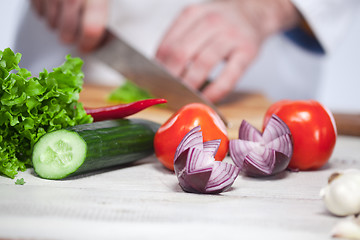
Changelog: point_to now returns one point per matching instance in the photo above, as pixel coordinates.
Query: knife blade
(148, 74)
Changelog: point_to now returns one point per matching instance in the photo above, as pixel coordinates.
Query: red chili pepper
(122, 110)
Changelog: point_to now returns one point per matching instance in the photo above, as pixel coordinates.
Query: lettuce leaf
(20, 181)
(32, 106)
(129, 92)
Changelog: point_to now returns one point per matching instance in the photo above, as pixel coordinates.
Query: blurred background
(9, 19)
(340, 80)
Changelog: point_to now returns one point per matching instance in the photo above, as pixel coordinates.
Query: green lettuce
(20, 181)
(32, 106)
(128, 92)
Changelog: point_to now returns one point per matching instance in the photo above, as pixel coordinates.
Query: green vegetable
(91, 147)
(32, 106)
(20, 181)
(128, 92)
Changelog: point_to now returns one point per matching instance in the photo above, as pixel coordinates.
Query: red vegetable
(170, 134)
(121, 110)
(313, 129)
(263, 154)
(196, 168)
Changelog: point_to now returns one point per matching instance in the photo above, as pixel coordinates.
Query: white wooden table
(144, 201)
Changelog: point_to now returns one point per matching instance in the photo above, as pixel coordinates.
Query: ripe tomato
(170, 134)
(313, 129)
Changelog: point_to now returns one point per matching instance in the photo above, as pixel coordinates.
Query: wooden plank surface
(144, 201)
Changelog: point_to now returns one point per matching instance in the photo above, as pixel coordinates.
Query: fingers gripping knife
(148, 74)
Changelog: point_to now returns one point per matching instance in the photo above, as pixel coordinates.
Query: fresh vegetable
(262, 154)
(32, 106)
(20, 181)
(121, 110)
(196, 168)
(313, 129)
(347, 228)
(342, 194)
(90, 147)
(128, 92)
(170, 134)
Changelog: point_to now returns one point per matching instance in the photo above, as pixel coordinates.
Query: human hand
(80, 22)
(227, 30)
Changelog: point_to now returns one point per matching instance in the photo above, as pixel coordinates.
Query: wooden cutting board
(235, 108)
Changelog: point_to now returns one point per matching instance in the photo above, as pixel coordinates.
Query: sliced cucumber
(92, 147)
(59, 153)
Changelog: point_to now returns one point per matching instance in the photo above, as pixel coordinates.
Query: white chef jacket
(283, 68)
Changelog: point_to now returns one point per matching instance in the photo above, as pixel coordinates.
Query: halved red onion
(196, 168)
(262, 154)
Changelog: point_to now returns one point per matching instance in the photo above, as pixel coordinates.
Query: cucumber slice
(58, 154)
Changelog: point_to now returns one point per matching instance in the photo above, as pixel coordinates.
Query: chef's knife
(148, 74)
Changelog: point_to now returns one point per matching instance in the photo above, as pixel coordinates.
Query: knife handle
(347, 124)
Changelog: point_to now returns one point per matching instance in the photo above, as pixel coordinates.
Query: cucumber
(91, 147)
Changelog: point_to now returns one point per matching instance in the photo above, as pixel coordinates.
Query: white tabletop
(144, 201)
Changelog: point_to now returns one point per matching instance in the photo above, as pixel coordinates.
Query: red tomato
(170, 134)
(313, 129)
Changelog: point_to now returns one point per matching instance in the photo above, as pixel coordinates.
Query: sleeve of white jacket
(330, 20)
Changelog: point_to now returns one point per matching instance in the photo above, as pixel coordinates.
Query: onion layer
(196, 168)
(262, 154)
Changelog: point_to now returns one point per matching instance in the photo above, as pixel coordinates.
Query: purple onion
(196, 168)
(262, 154)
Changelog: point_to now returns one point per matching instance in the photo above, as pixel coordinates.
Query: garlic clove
(342, 194)
(348, 228)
